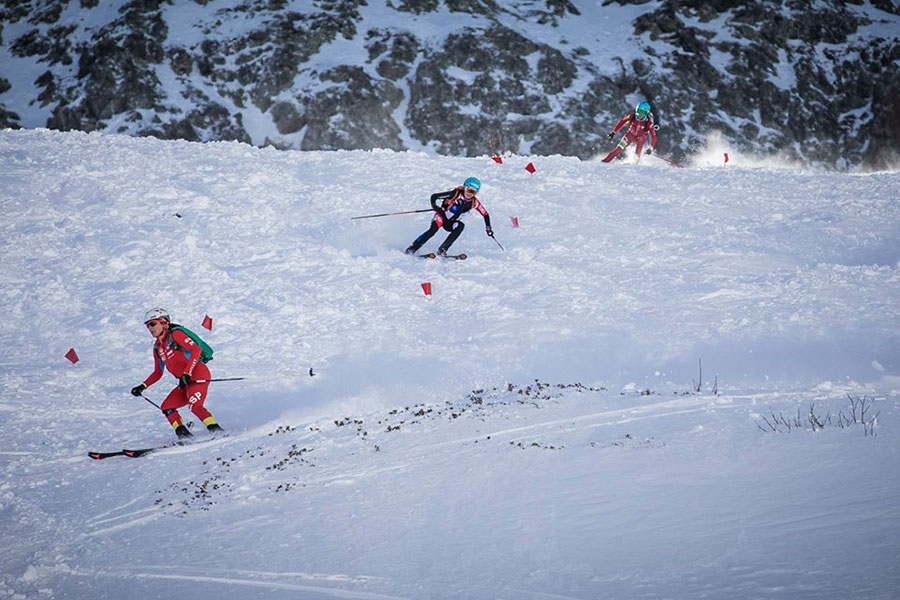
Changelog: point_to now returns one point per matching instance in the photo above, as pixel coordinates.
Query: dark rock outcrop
(818, 83)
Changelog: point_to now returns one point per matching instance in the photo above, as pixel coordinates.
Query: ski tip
(428, 255)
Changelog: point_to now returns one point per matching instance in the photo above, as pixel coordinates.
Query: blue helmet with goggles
(642, 110)
(472, 183)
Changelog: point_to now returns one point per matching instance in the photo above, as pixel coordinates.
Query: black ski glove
(184, 380)
(138, 389)
(489, 231)
(648, 151)
(610, 135)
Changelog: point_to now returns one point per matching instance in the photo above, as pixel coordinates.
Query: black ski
(102, 455)
(142, 451)
(132, 453)
(137, 452)
(448, 256)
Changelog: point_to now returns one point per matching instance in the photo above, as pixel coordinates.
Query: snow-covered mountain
(811, 81)
(669, 383)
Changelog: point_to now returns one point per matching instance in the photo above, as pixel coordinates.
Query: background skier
(640, 124)
(181, 356)
(448, 214)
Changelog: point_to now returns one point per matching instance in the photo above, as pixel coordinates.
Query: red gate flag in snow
(515, 221)
(72, 355)
(426, 287)
(207, 322)
(530, 168)
(497, 159)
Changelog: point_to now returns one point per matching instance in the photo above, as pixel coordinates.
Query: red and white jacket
(177, 353)
(637, 130)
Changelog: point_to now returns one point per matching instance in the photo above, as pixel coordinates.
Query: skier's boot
(412, 249)
(183, 432)
(214, 428)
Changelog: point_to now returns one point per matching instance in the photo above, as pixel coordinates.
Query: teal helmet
(642, 110)
(472, 182)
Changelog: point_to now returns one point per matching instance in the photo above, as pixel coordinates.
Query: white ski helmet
(156, 313)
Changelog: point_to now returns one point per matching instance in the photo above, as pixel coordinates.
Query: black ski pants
(454, 227)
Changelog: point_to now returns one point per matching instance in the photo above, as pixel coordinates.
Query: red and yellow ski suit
(178, 354)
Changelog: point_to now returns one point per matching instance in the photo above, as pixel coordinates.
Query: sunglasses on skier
(150, 324)
(470, 191)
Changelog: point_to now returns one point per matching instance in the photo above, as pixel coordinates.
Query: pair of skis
(131, 453)
(447, 256)
(138, 452)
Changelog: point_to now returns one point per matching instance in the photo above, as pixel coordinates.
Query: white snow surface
(582, 414)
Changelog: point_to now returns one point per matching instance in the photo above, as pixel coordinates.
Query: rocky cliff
(814, 81)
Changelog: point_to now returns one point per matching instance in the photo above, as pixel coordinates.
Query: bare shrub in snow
(860, 414)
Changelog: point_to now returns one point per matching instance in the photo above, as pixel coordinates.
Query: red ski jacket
(178, 354)
(637, 129)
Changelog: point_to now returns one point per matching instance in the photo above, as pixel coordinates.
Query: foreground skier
(175, 350)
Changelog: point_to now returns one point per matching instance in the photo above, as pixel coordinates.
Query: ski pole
(218, 379)
(498, 243)
(150, 401)
(196, 381)
(391, 214)
(669, 160)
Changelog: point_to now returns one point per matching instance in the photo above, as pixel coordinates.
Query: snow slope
(538, 427)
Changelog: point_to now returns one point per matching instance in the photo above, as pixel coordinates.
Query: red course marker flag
(426, 287)
(497, 160)
(726, 157)
(530, 168)
(207, 322)
(515, 221)
(72, 355)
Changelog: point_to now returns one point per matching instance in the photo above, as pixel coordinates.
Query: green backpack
(206, 351)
